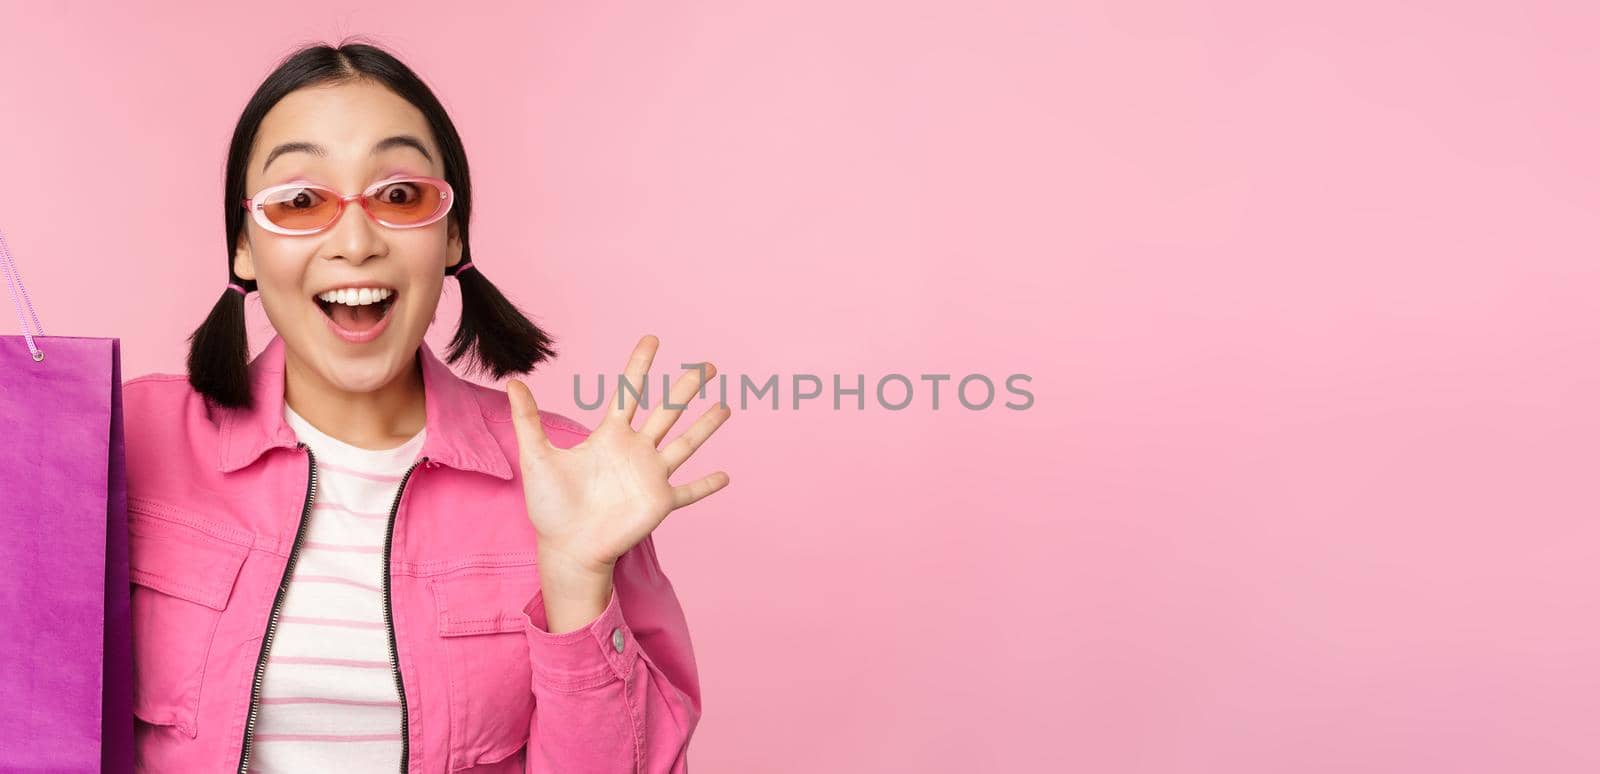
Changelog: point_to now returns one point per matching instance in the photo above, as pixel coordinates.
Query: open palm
(594, 501)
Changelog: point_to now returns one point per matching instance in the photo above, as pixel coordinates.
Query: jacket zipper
(277, 604)
(388, 622)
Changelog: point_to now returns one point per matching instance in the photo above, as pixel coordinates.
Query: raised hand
(592, 502)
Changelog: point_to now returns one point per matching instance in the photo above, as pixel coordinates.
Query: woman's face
(346, 122)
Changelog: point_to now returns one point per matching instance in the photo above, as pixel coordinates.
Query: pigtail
(219, 353)
(500, 337)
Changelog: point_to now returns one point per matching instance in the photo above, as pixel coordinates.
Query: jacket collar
(457, 436)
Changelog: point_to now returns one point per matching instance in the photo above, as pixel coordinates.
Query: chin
(362, 368)
(359, 377)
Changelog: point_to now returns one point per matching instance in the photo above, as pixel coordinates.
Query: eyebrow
(397, 141)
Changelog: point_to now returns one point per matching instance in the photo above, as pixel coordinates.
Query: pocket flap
(182, 560)
(484, 603)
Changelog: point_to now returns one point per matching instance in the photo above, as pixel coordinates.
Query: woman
(346, 558)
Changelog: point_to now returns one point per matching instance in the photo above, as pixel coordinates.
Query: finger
(525, 418)
(686, 494)
(624, 401)
(683, 390)
(684, 445)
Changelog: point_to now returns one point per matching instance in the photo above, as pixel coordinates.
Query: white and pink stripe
(329, 701)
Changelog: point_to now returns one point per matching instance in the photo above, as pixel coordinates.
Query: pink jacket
(217, 504)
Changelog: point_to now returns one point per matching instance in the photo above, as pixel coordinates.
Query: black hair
(501, 339)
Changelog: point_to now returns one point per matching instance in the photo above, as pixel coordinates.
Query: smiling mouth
(357, 317)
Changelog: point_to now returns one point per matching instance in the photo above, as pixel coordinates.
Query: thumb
(525, 418)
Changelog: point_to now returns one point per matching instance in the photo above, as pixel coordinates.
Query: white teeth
(356, 297)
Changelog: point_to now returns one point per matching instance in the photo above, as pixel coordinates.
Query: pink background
(1307, 296)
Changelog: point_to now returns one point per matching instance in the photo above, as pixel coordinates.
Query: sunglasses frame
(259, 215)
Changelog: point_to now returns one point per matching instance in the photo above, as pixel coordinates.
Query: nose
(354, 236)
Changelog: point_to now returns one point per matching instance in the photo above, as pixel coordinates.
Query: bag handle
(14, 284)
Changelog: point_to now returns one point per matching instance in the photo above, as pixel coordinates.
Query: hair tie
(463, 267)
(242, 291)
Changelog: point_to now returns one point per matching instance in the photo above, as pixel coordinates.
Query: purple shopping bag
(66, 668)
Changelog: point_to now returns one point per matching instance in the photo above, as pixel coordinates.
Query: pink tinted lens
(300, 208)
(406, 202)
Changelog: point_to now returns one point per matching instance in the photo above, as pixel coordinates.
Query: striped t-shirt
(328, 700)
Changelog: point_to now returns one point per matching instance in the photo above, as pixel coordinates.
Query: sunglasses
(297, 209)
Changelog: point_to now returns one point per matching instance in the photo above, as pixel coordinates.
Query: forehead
(346, 121)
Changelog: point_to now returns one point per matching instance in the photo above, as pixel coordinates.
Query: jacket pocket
(183, 576)
(480, 622)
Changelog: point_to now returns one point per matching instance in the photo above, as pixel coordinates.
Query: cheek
(281, 283)
(279, 264)
(422, 302)
(424, 277)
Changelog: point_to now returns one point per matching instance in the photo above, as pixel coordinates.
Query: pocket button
(616, 639)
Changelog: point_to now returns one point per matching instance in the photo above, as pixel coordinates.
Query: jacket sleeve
(620, 694)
